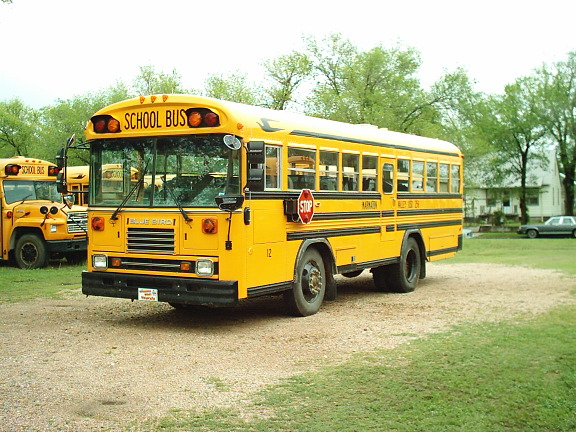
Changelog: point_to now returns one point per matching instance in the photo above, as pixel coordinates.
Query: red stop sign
(306, 206)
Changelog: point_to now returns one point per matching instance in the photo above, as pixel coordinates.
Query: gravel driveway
(84, 364)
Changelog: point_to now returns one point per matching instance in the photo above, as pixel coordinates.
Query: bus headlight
(204, 267)
(53, 228)
(100, 262)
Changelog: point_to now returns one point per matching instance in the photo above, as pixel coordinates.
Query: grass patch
(496, 377)
(548, 253)
(52, 282)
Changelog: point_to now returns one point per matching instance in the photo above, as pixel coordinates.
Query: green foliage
(18, 128)
(287, 72)
(54, 281)
(234, 87)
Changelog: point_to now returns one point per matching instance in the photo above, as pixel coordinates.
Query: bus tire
(309, 287)
(30, 252)
(403, 277)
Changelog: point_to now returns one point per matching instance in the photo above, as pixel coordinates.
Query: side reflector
(97, 223)
(210, 226)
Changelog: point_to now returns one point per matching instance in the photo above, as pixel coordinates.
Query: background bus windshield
(163, 171)
(28, 190)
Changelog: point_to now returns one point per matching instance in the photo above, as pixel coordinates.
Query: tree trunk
(568, 183)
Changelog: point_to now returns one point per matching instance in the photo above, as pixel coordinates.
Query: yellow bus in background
(213, 202)
(77, 181)
(36, 224)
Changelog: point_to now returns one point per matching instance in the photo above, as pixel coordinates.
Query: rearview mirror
(229, 202)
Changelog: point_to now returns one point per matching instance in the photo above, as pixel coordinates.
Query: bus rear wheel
(309, 288)
(403, 277)
(30, 252)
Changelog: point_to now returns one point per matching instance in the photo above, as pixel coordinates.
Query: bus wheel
(403, 276)
(307, 293)
(30, 252)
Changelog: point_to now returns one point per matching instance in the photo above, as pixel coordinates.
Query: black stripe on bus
(269, 289)
(441, 251)
(434, 224)
(346, 215)
(303, 235)
(350, 195)
(412, 195)
(367, 264)
(387, 213)
(369, 142)
(419, 212)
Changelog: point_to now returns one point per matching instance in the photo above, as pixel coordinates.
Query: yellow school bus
(77, 181)
(214, 202)
(36, 223)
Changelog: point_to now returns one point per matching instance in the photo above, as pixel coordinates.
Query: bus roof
(264, 123)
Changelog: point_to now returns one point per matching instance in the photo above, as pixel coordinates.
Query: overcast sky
(56, 49)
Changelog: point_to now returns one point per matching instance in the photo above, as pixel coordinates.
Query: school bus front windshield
(30, 190)
(189, 171)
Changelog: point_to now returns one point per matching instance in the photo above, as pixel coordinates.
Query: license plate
(148, 294)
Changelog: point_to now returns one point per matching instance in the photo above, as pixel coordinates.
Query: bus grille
(151, 240)
(77, 222)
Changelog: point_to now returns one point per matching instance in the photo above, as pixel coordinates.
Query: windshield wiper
(176, 200)
(130, 193)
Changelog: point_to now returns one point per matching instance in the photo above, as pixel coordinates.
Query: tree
(511, 124)
(557, 113)
(234, 88)
(151, 82)
(288, 72)
(18, 127)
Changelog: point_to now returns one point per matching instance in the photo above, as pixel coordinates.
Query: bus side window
(388, 178)
(417, 176)
(403, 175)
(455, 179)
(350, 167)
(273, 172)
(431, 177)
(328, 170)
(369, 173)
(301, 168)
(444, 178)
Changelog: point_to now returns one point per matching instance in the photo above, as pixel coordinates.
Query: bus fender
(325, 249)
(417, 234)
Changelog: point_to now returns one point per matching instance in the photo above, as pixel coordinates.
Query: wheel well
(417, 235)
(325, 250)
(19, 232)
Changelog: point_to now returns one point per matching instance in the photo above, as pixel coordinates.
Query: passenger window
(417, 176)
(350, 167)
(431, 177)
(328, 170)
(455, 179)
(403, 175)
(369, 173)
(273, 172)
(444, 179)
(301, 168)
(388, 178)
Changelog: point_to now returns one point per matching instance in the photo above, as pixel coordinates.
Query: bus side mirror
(61, 158)
(229, 202)
(256, 160)
(61, 185)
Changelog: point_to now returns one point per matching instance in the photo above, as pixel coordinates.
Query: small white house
(545, 194)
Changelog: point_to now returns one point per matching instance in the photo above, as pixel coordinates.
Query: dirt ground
(85, 364)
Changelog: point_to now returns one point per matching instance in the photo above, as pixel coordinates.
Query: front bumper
(171, 289)
(71, 245)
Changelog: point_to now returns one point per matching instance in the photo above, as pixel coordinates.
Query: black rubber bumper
(72, 245)
(170, 289)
